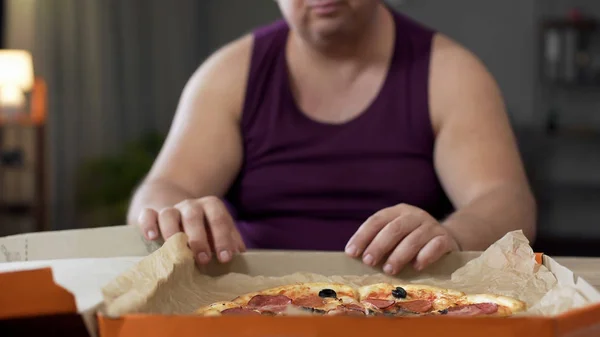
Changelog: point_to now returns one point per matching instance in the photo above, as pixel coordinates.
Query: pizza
(317, 298)
(380, 299)
(408, 299)
(423, 300)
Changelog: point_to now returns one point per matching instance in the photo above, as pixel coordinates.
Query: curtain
(115, 70)
(2, 23)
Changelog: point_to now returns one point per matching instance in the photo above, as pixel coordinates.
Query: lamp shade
(16, 69)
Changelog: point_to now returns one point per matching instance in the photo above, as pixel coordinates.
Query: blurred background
(103, 78)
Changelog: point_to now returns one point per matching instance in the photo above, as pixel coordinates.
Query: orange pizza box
(131, 288)
(50, 281)
(160, 293)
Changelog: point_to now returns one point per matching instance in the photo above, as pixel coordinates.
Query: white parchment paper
(168, 282)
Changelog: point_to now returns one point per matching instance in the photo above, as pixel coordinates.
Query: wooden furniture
(35, 118)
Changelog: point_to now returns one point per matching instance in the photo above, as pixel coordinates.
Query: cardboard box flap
(33, 293)
(83, 278)
(566, 277)
(563, 275)
(588, 290)
(282, 263)
(80, 243)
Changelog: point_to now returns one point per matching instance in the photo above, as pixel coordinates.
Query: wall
(500, 33)
(230, 19)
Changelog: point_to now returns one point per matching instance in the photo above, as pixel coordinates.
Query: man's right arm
(203, 150)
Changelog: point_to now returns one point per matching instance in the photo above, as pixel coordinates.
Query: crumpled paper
(508, 267)
(168, 281)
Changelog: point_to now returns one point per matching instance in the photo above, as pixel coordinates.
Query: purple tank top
(309, 185)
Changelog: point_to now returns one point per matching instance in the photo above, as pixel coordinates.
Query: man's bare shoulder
(230, 58)
(224, 73)
(450, 52)
(452, 61)
(458, 76)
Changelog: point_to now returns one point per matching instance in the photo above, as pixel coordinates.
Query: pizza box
(50, 281)
(50, 284)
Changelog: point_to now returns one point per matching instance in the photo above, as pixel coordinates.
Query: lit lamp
(16, 79)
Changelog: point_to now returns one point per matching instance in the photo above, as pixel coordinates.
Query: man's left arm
(478, 164)
(476, 155)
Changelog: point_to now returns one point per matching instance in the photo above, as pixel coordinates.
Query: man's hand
(403, 234)
(207, 223)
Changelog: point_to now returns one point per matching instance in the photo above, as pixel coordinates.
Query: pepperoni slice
(263, 300)
(346, 311)
(311, 301)
(355, 307)
(239, 311)
(465, 310)
(419, 306)
(270, 303)
(488, 308)
(381, 304)
(473, 309)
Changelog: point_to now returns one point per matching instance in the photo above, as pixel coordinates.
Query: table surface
(586, 267)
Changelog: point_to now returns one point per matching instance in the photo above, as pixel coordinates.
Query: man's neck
(371, 45)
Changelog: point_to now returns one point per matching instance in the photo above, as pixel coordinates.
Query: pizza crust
(215, 309)
(506, 305)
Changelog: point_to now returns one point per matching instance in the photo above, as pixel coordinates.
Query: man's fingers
(389, 237)
(408, 249)
(221, 227)
(192, 219)
(169, 221)
(368, 230)
(148, 223)
(239, 242)
(433, 251)
(207, 223)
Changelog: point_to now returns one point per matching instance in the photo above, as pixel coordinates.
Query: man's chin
(331, 32)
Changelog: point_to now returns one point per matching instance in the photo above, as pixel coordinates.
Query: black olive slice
(399, 292)
(327, 293)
